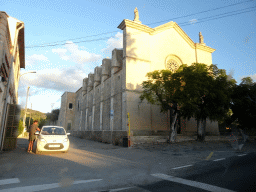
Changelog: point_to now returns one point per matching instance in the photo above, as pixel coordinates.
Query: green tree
(42, 123)
(206, 94)
(243, 104)
(20, 128)
(159, 89)
(35, 115)
(200, 91)
(53, 116)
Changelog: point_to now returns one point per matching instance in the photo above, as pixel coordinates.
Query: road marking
(9, 181)
(43, 187)
(196, 184)
(241, 155)
(207, 158)
(182, 167)
(120, 189)
(219, 159)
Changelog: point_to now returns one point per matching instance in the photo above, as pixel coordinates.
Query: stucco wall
(170, 42)
(145, 116)
(204, 57)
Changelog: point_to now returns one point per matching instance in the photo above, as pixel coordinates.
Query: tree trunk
(173, 128)
(201, 125)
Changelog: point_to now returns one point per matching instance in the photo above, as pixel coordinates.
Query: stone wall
(78, 110)
(180, 138)
(117, 137)
(63, 109)
(111, 137)
(67, 115)
(102, 95)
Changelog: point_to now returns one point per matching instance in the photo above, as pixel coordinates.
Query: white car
(51, 138)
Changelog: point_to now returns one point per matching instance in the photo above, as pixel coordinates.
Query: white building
(12, 57)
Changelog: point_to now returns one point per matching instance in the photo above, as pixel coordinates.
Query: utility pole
(52, 104)
(30, 115)
(24, 117)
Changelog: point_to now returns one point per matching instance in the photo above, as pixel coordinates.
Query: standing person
(33, 128)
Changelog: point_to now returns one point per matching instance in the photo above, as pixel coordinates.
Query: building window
(77, 105)
(70, 106)
(172, 65)
(3, 73)
(69, 127)
(173, 62)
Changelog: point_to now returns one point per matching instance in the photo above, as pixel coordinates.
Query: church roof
(152, 31)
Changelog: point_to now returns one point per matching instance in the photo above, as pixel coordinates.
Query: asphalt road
(94, 166)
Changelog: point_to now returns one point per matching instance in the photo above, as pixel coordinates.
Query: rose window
(172, 65)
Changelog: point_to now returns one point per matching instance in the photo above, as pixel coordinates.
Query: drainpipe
(196, 52)
(2, 135)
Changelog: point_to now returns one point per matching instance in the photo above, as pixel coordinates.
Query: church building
(108, 107)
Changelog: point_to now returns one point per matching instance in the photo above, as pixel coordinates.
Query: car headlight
(42, 140)
(65, 140)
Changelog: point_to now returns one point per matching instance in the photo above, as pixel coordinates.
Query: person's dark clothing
(32, 131)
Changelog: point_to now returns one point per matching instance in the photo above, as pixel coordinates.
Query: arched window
(172, 62)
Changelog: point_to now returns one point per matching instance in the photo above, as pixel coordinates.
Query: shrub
(20, 128)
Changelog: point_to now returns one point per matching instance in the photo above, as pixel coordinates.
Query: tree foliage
(32, 115)
(243, 104)
(20, 128)
(159, 90)
(201, 91)
(206, 94)
(53, 116)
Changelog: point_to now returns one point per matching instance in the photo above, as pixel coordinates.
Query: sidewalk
(189, 152)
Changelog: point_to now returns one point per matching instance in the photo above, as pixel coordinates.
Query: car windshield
(53, 131)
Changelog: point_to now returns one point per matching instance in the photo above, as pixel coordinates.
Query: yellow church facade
(110, 108)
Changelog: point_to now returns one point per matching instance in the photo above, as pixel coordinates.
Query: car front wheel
(37, 152)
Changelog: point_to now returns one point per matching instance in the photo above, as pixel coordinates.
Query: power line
(81, 37)
(200, 12)
(218, 16)
(146, 24)
(70, 43)
(181, 24)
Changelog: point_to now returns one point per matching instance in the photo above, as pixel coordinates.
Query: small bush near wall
(117, 142)
(20, 128)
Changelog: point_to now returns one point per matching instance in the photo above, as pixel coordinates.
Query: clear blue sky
(61, 68)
